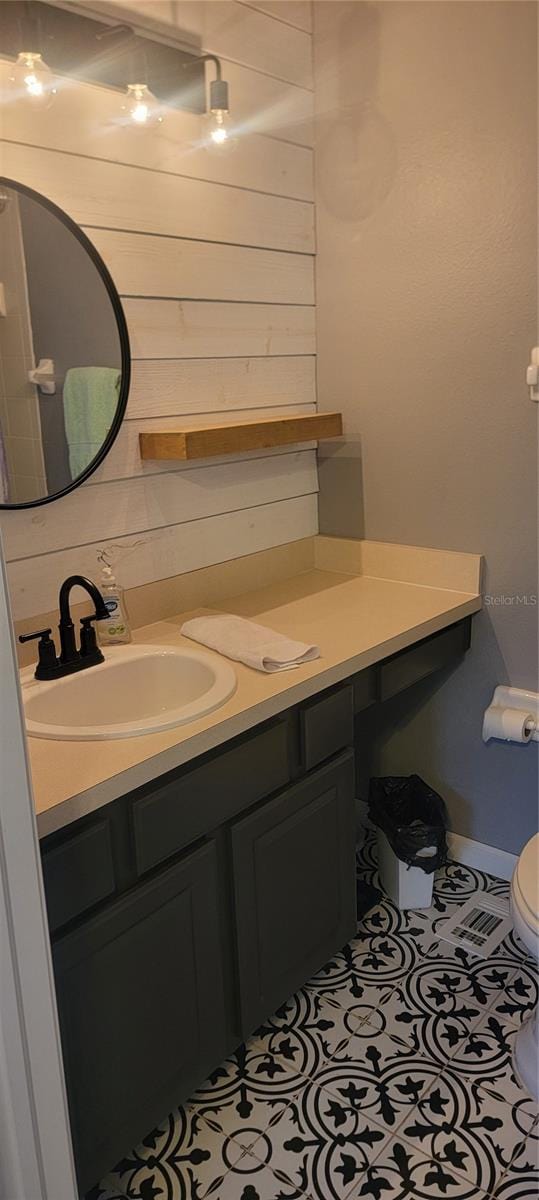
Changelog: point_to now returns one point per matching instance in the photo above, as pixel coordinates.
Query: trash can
(411, 821)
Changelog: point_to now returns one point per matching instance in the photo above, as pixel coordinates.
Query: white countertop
(356, 620)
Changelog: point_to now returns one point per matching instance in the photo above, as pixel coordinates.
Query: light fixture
(32, 79)
(219, 130)
(140, 106)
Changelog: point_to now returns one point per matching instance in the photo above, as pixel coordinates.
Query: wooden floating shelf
(206, 441)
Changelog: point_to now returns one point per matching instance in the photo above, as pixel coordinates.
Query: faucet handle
(47, 661)
(88, 640)
(39, 633)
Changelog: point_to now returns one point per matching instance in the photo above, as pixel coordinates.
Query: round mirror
(64, 351)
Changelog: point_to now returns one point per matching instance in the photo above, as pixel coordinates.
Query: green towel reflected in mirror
(90, 402)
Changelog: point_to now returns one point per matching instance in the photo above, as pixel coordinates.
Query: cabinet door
(142, 1009)
(295, 892)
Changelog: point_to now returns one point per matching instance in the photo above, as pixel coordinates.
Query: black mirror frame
(122, 333)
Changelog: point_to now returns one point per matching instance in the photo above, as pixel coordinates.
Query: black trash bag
(412, 816)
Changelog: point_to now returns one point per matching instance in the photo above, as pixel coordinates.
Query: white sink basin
(138, 689)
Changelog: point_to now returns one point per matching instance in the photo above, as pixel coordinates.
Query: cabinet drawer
(365, 686)
(186, 806)
(327, 725)
(409, 666)
(295, 890)
(78, 873)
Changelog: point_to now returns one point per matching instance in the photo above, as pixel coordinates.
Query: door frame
(36, 1159)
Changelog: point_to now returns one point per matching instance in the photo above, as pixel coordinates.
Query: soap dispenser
(115, 629)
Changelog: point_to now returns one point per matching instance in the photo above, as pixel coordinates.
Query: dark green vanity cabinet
(191, 910)
(294, 886)
(183, 914)
(142, 1010)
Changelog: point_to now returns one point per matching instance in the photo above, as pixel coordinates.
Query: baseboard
(483, 858)
(461, 849)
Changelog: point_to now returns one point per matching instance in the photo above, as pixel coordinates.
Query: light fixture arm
(124, 35)
(213, 59)
(113, 31)
(218, 87)
(28, 31)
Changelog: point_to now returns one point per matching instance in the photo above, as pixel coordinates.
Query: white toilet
(525, 914)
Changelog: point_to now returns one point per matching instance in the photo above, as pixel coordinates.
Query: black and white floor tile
(250, 1179)
(404, 1172)
(308, 1030)
(367, 857)
(477, 1133)
(321, 1144)
(519, 998)
(248, 1092)
(177, 1161)
(388, 1076)
(388, 944)
(379, 1076)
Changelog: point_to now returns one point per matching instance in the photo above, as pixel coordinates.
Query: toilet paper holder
(512, 716)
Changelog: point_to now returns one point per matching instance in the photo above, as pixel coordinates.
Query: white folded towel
(255, 645)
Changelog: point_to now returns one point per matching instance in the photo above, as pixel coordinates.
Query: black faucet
(49, 665)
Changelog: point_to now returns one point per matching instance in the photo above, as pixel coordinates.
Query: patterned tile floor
(387, 1077)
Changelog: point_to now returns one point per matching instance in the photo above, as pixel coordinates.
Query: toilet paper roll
(508, 724)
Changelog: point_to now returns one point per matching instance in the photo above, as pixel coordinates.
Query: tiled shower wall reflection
(19, 404)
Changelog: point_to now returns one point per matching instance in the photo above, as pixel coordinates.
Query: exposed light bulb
(33, 80)
(219, 134)
(141, 106)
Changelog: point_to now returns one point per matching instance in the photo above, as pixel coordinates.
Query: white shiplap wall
(213, 258)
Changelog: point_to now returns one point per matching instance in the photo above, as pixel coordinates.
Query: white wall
(213, 257)
(426, 195)
(35, 1142)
